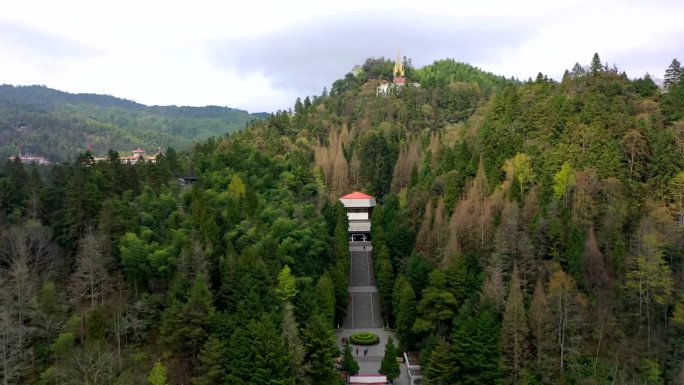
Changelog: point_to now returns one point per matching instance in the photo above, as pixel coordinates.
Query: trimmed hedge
(364, 338)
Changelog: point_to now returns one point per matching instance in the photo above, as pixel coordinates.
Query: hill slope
(530, 225)
(59, 125)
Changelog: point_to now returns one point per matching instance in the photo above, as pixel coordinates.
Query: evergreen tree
(321, 351)
(389, 365)
(13, 188)
(440, 369)
(578, 70)
(185, 326)
(271, 359)
(596, 67)
(349, 363)
(211, 368)
(672, 103)
(385, 286)
(673, 74)
(326, 297)
(404, 311)
(418, 271)
(476, 346)
(134, 260)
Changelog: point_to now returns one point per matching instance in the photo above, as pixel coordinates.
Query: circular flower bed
(364, 339)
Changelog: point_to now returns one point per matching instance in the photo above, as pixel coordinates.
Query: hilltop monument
(398, 71)
(398, 78)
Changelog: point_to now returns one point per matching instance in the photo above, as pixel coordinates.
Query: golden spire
(398, 66)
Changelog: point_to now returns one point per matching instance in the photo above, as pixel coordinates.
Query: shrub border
(364, 338)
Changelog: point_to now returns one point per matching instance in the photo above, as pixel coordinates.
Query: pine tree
(515, 332)
(440, 369)
(326, 297)
(389, 365)
(185, 327)
(385, 286)
(321, 351)
(476, 346)
(673, 74)
(404, 310)
(272, 362)
(672, 102)
(349, 363)
(577, 70)
(211, 369)
(596, 65)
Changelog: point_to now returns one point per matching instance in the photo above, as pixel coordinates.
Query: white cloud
(260, 55)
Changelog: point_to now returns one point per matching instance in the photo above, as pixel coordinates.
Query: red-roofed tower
(359, 210)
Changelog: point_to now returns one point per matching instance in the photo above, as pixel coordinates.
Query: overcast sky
(260, 55)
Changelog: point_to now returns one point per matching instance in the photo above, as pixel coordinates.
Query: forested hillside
(59, 125)
(526, 233)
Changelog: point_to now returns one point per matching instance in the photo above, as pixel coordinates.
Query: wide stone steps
(363, 311)
(361, 271)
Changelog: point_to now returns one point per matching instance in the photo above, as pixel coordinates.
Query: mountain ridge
(59, 124)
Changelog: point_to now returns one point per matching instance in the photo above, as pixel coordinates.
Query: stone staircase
(364, 306)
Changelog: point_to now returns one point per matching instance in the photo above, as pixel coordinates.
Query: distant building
(30, 159)
(359, 208)
(137, 155)
(415, 371)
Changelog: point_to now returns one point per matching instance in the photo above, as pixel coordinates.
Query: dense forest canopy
(60, 125)
(526, 233)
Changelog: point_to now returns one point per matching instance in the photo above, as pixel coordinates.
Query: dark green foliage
(645, 86)
(13, 190)
(379, 68)
(186, 326)
(404, 306)
(339, 275)
(321, 351)
(672, 103)
(440, 369)
(257, 354)
(97, 325)
(378, 157)
(349, 363)
(417, 271)
(389, 365)
(212, 363)
(476, 346)
(384, 274)
(325, 292)
(596, 65)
